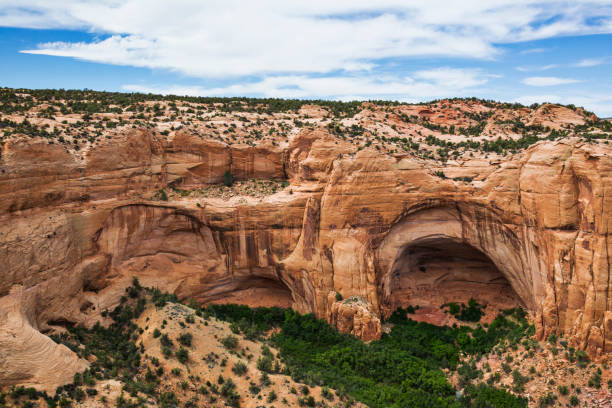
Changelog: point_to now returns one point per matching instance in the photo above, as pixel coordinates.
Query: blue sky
(520, 50)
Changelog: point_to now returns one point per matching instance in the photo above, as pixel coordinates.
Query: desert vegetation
(414, 363)
(438, 130)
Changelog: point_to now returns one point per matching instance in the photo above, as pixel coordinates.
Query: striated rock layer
(381, 231)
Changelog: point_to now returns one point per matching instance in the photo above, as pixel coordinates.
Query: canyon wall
(354, 235)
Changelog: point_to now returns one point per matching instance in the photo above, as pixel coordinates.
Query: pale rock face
(556, 117)
(384, 231)
(27, 356)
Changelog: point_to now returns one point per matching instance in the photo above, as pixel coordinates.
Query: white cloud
(548, 81)
(428, 84)
(589, 62)
(540, 68)
(224, 38)
(534, 51)
(453, 78)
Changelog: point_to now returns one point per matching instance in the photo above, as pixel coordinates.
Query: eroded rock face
(359, 223)
(354, 316)
(27, 356)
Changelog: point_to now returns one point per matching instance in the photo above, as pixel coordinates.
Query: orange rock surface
(531, 229)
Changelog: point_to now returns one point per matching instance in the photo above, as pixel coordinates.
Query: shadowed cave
(167, 249)
(430, 272)
(428, 263)
(254, 292)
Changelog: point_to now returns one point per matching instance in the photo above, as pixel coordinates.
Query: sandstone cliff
(384, 229)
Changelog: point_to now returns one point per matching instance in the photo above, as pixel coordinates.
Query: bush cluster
(403, 368)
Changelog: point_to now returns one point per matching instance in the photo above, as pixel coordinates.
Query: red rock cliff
(380, 230)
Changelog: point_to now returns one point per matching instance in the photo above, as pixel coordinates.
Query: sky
(417, 50)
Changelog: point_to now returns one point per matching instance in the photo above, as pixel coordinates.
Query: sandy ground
(551, 371)
(208, 360)
(206, 357)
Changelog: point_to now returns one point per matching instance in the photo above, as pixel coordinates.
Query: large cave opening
(433, 271)
(167, 249)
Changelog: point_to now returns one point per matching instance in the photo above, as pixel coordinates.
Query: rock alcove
(438, 255)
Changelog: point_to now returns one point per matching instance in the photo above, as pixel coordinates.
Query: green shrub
(265, 380)
(230, 342)
(484, 395)
(595, 380)
(582, 357)
(185, 339)
(272, 396)
(440, 174)
(470, 313)
(239, 368)
(182, 355)
(77, 379)
(228, 178)
(519, 381)
(264, 363)
(78, 394)
(64, 402)
(168, 400)
(228, 390)
(546, 400)
(468, 372)
(307, 401)
(327, 394)
(165, 340)
(254, 389)
(161, 195)
(160, 299)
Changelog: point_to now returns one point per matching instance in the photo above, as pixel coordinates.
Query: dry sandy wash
(387, 205)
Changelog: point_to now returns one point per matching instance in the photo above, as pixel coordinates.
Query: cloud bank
(240, 38)
(310, 48)
(548, 81)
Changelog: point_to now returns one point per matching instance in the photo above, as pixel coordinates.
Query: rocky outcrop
(74, 231)
(354, 316)
(27, 356)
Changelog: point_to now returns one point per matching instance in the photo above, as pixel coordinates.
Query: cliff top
(437, 130)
